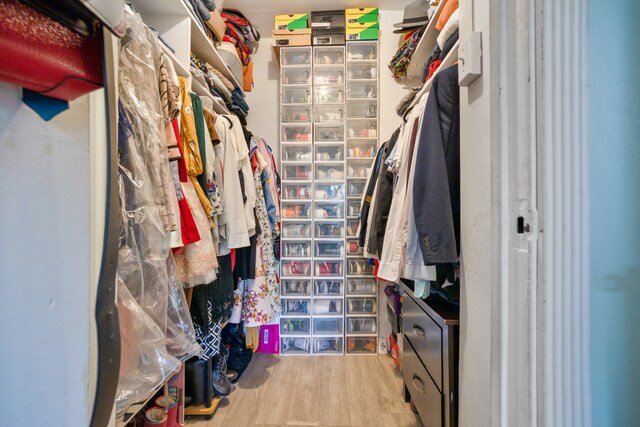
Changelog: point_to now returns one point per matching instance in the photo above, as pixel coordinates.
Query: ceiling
(261, 12)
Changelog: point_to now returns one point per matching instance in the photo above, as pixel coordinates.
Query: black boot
(221, 384)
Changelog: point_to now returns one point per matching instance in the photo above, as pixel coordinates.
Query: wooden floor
(364, 391)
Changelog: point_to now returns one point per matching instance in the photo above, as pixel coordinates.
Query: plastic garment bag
(158, 331)
(181, 337)
(144, 362)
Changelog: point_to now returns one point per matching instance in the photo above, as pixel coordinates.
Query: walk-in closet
(349, 213)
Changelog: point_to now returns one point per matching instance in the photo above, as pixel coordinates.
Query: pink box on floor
(269, 339)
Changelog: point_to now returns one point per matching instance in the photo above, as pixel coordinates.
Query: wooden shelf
(204, 49)
(425, 45)
(202, 410)
(155, 12)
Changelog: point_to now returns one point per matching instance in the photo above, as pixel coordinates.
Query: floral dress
(261, 299)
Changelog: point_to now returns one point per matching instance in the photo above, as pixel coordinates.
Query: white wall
(263, 100)
(44, 265)
(480, 221)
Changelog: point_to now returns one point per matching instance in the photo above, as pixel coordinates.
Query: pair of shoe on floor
(196, 381)
(222, 383)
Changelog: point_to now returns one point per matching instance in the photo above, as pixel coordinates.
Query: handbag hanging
(45, 56)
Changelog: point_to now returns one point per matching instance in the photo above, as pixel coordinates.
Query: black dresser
(430, 353)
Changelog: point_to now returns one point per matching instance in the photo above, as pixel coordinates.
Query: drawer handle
(419, 331)
(417, 381)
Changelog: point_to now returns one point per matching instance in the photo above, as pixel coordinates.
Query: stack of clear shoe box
(329, 124)
(296, 122)
(329, 199)
(362, 144)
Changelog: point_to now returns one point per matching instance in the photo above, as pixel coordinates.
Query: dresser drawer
(425, 394)
(426, 337)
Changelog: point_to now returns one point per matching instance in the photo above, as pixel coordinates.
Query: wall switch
(470, 58)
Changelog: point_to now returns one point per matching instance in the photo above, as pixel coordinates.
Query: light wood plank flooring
(361, 391)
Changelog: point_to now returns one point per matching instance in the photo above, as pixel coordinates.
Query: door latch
(522, 226)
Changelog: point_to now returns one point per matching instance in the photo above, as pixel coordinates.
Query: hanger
(227, 119)
(405, 116)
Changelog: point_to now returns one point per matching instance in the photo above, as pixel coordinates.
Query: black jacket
(382, 202)
(366, 204)
(436, 192)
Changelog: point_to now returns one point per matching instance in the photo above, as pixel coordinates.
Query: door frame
(563, 177)
(544, 287)
(524, 335)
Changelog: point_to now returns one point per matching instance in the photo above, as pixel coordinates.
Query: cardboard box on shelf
(296, 21)
(301, 37)
(361, 15)
(364, 31)
(216, 25)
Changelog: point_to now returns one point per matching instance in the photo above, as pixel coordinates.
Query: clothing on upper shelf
(447, 11)
(413, 219)
(433, 67)
(220, 87)
(448, 45)
(400, 61)
(449, 28)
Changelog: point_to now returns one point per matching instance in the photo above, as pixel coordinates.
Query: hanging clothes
(232, 224)
(269, 186)
(381, 203)
(367, 197)
(437, 200)
(188, 227)
(170, 100)
(197, 263)
(190, 147)
(393, 251)
(241, 145)
(261, 298)
(157, 332)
